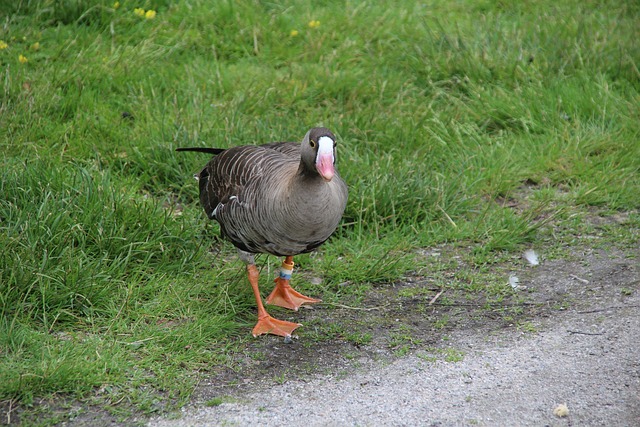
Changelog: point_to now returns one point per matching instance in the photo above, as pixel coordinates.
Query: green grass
(445, 111)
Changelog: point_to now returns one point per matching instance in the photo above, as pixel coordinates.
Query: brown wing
(227, 174)
(231, 170)
(291, 149)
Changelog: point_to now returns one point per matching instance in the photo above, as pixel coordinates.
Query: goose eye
(312, 143)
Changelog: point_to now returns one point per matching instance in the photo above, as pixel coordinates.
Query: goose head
(318, 152)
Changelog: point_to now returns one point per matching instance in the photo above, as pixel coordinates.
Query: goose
(282, 198)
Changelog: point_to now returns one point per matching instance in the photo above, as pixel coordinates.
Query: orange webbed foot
(285, 296)
(268, 325)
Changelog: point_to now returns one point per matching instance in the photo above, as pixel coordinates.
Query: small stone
(287, 339)
(561, 410)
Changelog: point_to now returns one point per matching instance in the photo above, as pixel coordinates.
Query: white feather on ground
(531, 256)
(514, 282)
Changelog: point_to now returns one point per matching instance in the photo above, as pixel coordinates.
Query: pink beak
(324, 165)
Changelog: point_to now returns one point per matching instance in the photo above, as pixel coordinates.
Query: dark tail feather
(202, 149)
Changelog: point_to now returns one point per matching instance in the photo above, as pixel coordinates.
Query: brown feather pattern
(270, 198)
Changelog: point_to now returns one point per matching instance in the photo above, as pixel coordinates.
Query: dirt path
(580, 346)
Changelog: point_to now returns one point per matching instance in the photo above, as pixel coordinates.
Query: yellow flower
(23, 59)
(3, 45)
(35, 46)
(139, 11)
(314, 24)
(150, 14)
(116, 5)
(294, 33)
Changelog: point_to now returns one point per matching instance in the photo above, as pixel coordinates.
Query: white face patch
(325, 159)
(325, 146)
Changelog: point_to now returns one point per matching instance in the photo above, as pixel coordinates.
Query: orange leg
(267, 324)
(284, 295)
